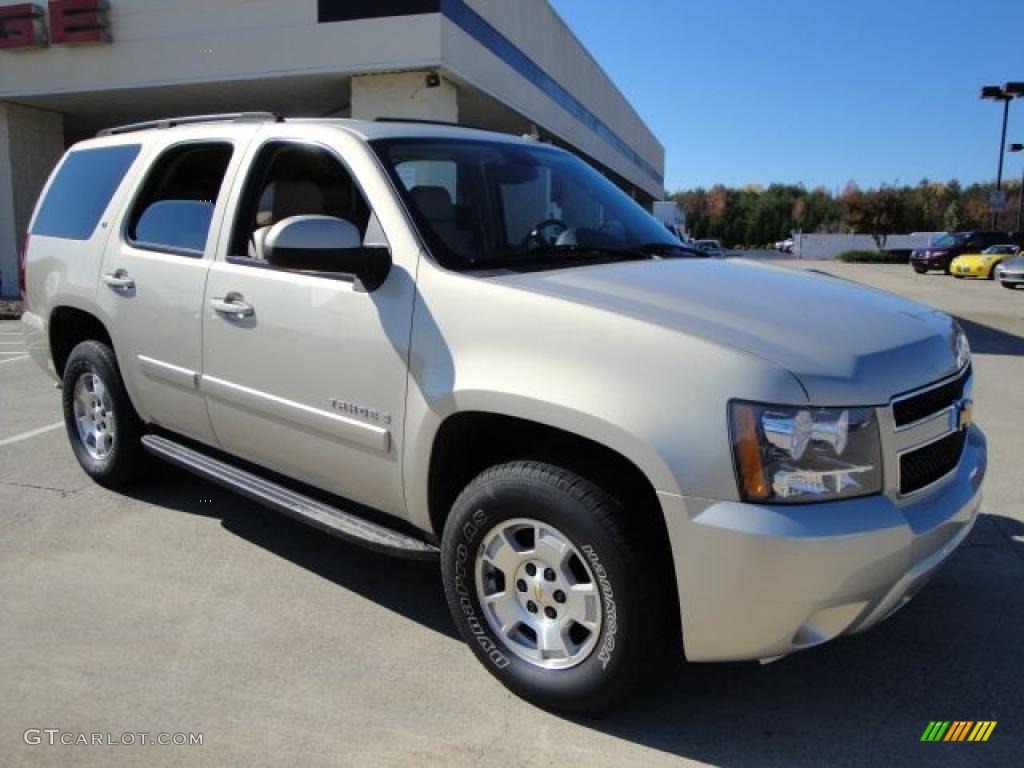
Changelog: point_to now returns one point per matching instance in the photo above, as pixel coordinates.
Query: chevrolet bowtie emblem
(964, 413)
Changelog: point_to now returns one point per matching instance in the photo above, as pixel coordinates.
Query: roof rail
(419, 121)
(170, 122)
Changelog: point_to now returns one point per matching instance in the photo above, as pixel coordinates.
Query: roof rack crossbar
(170, 122)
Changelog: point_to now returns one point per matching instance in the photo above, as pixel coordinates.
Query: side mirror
(328, 245)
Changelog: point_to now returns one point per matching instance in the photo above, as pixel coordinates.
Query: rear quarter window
(82, 190)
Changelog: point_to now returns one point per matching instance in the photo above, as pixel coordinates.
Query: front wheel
(920, 270)
(102, 425)
(547, 588)
(1011, 286)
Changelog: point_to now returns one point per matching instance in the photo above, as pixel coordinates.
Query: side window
(82, 190)
(294, 179)
(175, 208)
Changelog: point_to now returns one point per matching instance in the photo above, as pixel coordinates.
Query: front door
(154, 276)
(306, 374)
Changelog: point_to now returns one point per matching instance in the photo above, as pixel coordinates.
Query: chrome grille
(924, 403)
(930, 430)
(922, 467)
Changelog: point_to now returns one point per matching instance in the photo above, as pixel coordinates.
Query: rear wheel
(547, 588)
(102, 425)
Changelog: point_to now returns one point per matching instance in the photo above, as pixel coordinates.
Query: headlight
(961, 347)
(787, 454)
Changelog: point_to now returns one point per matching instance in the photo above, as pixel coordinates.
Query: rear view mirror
(326, 244)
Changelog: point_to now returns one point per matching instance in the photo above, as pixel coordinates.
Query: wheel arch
(68, 326)
(468, 442)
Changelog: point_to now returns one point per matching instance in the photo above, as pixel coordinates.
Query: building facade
(69, 68)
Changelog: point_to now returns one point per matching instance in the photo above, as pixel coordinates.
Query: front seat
(436, 206)
(281, 200)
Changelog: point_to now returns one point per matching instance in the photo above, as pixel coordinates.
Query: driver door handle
(233, 306)
(119, 281)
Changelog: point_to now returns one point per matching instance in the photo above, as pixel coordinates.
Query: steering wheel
(535, 235)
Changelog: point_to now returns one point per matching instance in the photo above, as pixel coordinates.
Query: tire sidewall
(88, 358)
(474, 515)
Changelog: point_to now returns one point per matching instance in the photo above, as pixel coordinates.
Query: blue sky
(813, 91)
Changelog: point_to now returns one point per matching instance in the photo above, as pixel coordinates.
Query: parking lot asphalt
(182, 608)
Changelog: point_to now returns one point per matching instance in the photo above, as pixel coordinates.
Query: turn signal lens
(747, 447)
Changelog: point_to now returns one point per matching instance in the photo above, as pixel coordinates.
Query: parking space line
(33, 433)
(13, 360)
(11, 343)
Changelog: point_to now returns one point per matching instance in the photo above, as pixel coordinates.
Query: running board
(327, 518)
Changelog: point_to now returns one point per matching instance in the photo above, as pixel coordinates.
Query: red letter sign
(78, 21)
(21, 27)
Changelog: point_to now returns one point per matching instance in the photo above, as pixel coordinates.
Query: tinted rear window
(82, 190)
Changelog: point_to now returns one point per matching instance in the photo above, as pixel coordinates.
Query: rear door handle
(232, 306)
(119, 281)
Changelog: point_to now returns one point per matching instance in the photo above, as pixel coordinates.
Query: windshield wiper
(671, 249)
(555, 255)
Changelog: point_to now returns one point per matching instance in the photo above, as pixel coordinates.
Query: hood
(846, 343)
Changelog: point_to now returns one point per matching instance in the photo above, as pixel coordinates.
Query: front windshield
(947, 241)
(492, 204)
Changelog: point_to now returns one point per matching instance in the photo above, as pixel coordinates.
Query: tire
(1011, 286)
(920, 270)
(600, 664)
(107, 444)
(959, 277)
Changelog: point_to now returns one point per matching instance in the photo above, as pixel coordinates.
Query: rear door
(154, 275)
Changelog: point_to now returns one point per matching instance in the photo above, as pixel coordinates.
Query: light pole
(1005, 94)
(1020, 191)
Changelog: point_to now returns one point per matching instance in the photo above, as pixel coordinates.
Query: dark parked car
(939, 254)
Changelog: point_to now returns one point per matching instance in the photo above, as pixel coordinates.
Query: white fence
(829, 246)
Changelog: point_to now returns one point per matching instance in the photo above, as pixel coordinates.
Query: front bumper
(1011, 278)
(969, 270)
(760, 581)
(935, 261)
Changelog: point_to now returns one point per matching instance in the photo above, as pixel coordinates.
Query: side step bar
(327, 518)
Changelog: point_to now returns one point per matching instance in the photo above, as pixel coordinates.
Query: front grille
(922, 467)
(916, 407)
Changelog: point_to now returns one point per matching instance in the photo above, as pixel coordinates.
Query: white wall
(404, 94)
(158, 42)
(830, 246)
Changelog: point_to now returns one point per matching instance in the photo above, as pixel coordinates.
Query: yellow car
(982, 264)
